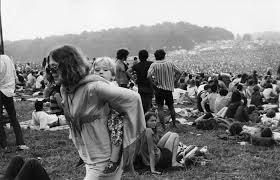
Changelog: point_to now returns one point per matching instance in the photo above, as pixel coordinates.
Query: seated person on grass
(210, 99)
(269, 94)
(182, 84)
(270, 119)
(237, 109)
(44, 120)
(158, 152)
(192, 92)
(201, 95)
(256, 97)
(18, 169)
(240, 88)
(222, 100)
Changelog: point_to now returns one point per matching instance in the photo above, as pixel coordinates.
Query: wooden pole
(1, 33)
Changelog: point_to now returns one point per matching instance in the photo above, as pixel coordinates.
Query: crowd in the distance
(232, 60)
(110, 124)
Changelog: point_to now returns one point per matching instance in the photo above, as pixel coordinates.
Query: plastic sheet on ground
(276, 136)
(28, 125)
(269, 106)
(251, 130)
(191, 154)
(183, 121)
(177, 93)
(187, 112)
(182, 112)
(34, 99)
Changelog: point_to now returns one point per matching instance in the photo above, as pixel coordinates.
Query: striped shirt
(164, 72)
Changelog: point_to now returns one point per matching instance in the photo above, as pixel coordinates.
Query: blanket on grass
(28, 125)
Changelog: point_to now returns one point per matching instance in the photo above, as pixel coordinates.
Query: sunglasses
(52, 68)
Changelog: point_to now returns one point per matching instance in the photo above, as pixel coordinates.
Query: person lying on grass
(158, 152)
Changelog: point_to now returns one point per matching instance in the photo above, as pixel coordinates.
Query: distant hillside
(268, 35)
(166, 35)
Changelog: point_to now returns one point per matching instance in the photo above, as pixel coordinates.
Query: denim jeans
(8, 103)
(146, 101)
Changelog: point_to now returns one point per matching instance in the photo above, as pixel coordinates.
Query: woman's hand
(156, 172)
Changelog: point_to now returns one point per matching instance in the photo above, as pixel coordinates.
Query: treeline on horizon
(169, 36)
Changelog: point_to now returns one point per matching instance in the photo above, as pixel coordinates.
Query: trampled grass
(229, 160)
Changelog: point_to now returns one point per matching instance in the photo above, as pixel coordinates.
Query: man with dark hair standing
(7, 88)
(145, 87)
(122, 77)
(163, 74)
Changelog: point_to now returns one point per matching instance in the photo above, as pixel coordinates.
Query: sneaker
(23, 147)
(111, 167)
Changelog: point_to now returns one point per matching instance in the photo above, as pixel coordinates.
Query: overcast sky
(25, 19)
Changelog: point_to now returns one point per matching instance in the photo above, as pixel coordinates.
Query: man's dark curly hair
(160, 54)
(122, 54)
(143, 55)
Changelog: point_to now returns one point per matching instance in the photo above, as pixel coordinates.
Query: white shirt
(274, 87)
(39, 79)
(200, 88)
(7, 76)
(192, 91)
(177, 93)
(267, 93)
(42, 119)
(30, 79)
(270, 122)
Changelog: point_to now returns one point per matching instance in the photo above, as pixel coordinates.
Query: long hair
(148, 115)
(235, 97)
(72, 64)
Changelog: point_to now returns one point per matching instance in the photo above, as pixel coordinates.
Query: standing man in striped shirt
(163, 74)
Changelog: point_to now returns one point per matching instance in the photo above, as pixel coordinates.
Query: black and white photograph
(139, 89)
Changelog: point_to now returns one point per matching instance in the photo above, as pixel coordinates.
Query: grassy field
(229, 160)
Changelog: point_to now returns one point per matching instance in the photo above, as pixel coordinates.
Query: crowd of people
(231, 60)
(112, 122)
